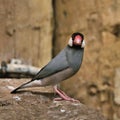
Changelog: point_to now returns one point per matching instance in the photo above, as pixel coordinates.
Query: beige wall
(26, 30)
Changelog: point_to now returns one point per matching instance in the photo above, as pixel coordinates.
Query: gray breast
(75, 57)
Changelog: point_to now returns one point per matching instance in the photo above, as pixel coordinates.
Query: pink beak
(78, 40)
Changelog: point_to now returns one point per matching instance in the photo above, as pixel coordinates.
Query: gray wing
(57, 64)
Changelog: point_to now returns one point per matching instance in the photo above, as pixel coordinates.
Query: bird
(64, 65)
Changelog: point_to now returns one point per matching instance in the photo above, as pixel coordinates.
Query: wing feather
(57, 64)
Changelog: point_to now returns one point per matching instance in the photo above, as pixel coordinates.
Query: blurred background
(36, 30)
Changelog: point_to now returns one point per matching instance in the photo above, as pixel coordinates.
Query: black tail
(15, 90)
(20, 87)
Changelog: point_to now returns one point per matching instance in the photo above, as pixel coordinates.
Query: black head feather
(77, 33)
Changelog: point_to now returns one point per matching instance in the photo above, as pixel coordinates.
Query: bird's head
(77, 39)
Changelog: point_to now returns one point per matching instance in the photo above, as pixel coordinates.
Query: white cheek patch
(70, 42)
(83, 44)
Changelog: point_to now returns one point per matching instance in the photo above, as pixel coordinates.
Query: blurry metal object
(17, 69)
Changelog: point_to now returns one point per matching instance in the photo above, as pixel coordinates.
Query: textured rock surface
(34, 105)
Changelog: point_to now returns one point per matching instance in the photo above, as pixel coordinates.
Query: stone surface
(35, 104)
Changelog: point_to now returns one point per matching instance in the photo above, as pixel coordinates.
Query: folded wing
(57, 64)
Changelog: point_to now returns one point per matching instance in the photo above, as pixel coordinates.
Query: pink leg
(63, 96)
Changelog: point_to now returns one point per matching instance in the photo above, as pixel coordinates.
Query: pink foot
(63, 96)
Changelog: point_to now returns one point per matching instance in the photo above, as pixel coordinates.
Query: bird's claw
(67, 99)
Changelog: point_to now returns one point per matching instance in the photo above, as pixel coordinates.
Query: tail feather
(15, 90)
(20, 87)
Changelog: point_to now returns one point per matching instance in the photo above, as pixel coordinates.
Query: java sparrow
(60, 68)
